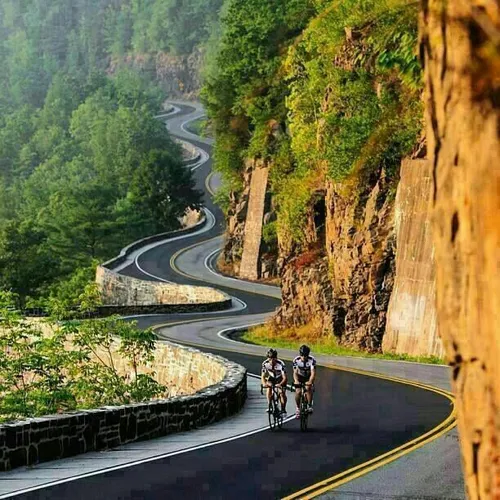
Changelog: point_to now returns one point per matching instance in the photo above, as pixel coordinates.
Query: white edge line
(241, 327)
(144, 460)
(267, 288)
(166, 455)
(205, 229)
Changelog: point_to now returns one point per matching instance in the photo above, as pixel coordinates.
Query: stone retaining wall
(190, 153)
(121, 290)
(222, 391)
(412, 316)
(122, 294)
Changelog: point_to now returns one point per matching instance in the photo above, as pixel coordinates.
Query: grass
(321, 343)
(198, 127)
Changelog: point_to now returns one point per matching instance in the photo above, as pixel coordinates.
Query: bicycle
(274, 410)
(303, 405)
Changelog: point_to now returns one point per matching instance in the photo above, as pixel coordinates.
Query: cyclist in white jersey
(273, 370)
(304, 371)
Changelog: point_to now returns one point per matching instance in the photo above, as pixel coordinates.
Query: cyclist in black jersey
(304, 371)
(273, 370)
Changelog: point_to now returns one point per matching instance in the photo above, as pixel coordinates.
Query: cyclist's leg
(309, 397)
(297, 396)
(309, 394)
(269, 393)
(283, 398)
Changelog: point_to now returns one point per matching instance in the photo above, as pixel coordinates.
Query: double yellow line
(177, 254)
(337, 480)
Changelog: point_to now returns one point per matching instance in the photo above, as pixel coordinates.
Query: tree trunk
(460, 43)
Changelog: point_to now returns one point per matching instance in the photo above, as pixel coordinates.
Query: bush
(49, 367)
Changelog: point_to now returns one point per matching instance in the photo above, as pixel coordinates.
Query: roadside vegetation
(323, 91)
(84, 167)
(293, 338)
(53, 366)
(199, 127)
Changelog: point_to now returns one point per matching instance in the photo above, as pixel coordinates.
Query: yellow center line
(176, 269)
(337, 480)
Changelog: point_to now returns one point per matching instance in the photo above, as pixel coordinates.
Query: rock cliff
(411, 318)
(246, 252)
(346, 276)
(179, 76)
(460, 45)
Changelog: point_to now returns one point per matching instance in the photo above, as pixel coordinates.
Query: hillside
(327, 111)
(84, 166)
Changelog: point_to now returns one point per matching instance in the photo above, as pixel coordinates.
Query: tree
(79, 223)
(162, 189)
(26, 263)
(460, 44)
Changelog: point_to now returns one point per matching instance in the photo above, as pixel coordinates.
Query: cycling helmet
(272, 353)
(304, 350)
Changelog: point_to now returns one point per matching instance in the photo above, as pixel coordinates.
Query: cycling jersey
(275, 372)
(303, 368)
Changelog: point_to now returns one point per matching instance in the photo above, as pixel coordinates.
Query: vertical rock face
(360, 242)
(459, 40)
(245, 253)
(347, 280)
(178, 75)
(250, 259)
(411, 318)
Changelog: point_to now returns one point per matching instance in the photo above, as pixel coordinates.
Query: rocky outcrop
(236, 215)
(307, 294)
(250, 260)
(411, 318)
(179, 76)
(459, 41)
(244, 228)
(346, 278)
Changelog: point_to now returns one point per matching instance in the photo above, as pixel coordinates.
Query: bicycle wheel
(304, 414)
(270, 415)
(277, 413)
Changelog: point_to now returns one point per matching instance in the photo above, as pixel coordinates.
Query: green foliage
(270, 235)
(324, 91)
(243, 92)
(327, 345)
(76, 162)
(161, 189)
(40, 374)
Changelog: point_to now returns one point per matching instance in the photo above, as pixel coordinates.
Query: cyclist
(273, 371)
(304, 371)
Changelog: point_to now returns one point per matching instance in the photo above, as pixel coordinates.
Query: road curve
(357, 417)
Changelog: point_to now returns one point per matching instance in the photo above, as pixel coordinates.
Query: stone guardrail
(127, 294)
(191, 154)
(125, 252)
(36, 440)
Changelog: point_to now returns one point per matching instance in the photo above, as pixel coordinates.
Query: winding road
(357, 418)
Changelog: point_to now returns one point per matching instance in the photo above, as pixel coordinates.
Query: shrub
(48, 367)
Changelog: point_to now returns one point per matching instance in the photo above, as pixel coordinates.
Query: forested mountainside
(326, 97)
(80, 152)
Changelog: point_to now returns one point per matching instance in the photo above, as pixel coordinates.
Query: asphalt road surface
(356, 417)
